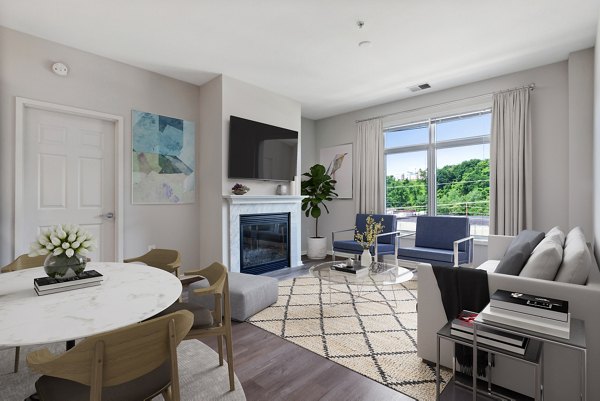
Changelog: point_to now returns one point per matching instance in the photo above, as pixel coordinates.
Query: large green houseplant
(317, 189)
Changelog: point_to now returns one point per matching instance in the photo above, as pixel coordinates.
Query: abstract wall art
(338, 162)
(163, 159)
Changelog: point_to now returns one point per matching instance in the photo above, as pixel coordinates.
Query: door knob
(108, 215)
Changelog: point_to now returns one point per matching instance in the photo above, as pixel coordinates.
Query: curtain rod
(531, 87)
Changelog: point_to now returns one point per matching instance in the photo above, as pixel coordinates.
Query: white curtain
(369, 174)
(510, 163)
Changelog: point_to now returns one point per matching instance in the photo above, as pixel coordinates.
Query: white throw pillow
(575, 267)
(556, 231)
(545, 258)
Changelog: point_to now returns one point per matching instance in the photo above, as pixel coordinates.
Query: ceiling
(308, 50)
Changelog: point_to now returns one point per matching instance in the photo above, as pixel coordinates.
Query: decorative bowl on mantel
(239, 189)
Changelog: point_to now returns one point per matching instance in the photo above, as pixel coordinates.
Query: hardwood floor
(272, 369)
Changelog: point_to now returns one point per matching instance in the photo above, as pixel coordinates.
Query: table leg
(474, 367)
(437, 370)
(584, 376)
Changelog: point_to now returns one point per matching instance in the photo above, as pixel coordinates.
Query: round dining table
(129, 293)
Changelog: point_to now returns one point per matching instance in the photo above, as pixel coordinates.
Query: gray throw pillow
(545, 258)
(577, 261)
(519, 251)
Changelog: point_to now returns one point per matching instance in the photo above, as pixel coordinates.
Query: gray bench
(249, 294)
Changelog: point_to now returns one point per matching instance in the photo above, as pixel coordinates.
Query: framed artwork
(338, 163)
(163, 161)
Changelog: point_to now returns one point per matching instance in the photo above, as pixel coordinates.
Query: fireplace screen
(264, 242)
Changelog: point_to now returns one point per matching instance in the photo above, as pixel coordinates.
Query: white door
(68, 171)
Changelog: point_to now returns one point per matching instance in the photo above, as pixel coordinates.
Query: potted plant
(318, 189)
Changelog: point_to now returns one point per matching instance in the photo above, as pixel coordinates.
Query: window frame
(433, 145)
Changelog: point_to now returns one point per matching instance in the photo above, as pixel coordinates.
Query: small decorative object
(282, 189)
(239, 189)
(66, 247)
(366, 239)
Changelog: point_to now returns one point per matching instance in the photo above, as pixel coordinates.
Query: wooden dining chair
(166, 259)
(137, 362)
(216, 322)
(22, 262)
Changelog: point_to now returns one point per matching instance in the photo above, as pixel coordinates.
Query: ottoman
(248, 294)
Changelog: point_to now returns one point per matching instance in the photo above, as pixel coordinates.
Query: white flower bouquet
(69, 239)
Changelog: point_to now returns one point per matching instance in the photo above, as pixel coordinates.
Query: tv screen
(261, 151)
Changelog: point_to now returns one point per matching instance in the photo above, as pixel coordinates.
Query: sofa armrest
(497, 246)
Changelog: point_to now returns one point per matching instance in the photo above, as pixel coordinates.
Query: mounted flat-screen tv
(261, 151)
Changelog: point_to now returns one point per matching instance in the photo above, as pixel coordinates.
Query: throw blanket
(464, 288)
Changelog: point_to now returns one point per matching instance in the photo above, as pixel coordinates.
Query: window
(440, 167)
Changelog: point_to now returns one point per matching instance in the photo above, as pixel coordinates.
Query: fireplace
(264, 242)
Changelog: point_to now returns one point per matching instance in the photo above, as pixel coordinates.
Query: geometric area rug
(371, 330)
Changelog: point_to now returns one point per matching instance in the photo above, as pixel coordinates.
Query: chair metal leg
(230, 359)
(167, 395)
(17, 355)
(220, 345)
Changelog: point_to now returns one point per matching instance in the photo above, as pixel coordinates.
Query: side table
(534, 354)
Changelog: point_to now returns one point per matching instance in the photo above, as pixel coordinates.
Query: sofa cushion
(545, 258)
(519, 251)
(351, 246)
(576, 264)
(440, 232)
(429, 255)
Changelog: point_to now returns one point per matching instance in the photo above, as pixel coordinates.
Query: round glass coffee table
(379, 274)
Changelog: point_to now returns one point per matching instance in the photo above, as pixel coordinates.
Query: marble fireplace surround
(259, 204)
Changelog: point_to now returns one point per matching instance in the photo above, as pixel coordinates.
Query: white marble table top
(129, 293)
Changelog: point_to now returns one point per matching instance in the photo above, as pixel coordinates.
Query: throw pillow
(545, 259)
(576, 264)
(519, 251)
(556, 231)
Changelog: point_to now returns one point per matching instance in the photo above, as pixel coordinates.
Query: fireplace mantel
(257, 204)
(240, 199)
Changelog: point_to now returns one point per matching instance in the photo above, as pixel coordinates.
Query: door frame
(21, 105)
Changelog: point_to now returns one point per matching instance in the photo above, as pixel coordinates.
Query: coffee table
(380, 275)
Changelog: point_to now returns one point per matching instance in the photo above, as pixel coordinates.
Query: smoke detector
(60, 69)
(420, 87)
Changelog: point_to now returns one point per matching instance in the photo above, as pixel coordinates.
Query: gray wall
(596, 148)
(99, 84)
(551, 139)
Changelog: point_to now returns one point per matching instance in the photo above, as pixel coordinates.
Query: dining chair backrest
(166, 259)
(118, 356)
(23, 262)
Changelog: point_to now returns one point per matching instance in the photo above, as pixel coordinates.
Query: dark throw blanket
(464, 288)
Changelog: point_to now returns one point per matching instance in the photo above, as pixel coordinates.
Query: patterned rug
(370, 330)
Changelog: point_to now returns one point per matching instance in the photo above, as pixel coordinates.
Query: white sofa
(561, 367)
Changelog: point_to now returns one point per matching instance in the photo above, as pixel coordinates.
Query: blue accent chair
(385, 243)
(440, 241)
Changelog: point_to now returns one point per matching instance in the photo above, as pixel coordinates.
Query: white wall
(596, 148)
(99, 84)
(550, 115)
(309, 159)
(581, 122)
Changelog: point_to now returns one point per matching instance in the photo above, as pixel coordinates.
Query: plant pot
(365, 258)
(62, 266)
(317, 247)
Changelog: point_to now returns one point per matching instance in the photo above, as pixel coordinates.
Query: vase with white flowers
(367, 238)
(66, 246)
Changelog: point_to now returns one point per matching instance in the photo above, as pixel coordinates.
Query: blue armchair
(385, 243)
(440, 241)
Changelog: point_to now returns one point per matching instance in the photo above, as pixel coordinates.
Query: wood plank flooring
(272, 369)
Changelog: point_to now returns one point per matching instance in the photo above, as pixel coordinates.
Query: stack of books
(354, 268)
(462, 327)
(48, 285)
(529, 312)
